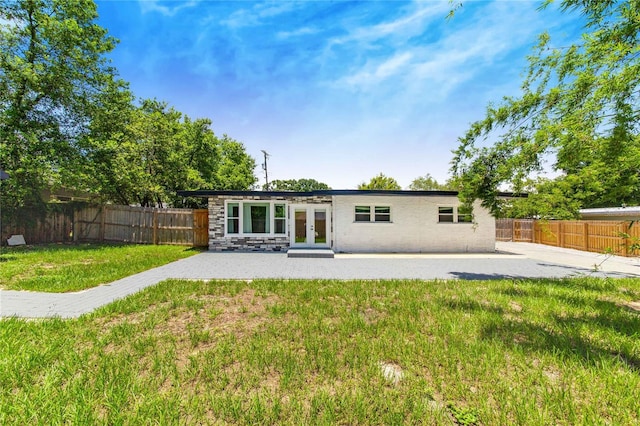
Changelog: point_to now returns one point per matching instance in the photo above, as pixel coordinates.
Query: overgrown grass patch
(63, 267)
(325, 352)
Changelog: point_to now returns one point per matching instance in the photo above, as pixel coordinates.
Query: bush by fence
(112, 223)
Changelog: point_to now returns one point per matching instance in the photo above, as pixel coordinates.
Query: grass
(533, 352)
(62, 268)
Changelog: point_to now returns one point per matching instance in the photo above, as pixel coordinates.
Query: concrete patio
(511, 261)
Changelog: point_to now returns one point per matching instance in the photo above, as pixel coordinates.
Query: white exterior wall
(414, 226)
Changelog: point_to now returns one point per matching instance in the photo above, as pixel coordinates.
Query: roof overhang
(633, 211)
(328, 192)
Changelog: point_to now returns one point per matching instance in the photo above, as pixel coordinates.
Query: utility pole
(264, 167)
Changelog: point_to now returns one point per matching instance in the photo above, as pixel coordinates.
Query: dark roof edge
(328, 192)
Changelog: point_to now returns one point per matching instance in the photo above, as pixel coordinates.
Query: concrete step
(308, 253)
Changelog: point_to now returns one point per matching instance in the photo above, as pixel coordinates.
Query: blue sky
(337, 91)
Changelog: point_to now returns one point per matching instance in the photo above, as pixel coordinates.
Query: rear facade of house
(347, 221)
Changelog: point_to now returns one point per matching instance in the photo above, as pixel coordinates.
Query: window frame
(270, 221)
(362, 214)
(228, 208)
(372, 214)
(455, 215)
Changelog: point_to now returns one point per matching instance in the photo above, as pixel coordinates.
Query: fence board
(504, 229)
(143, 225)
(598, 236)
(520, 230)
(40, 226)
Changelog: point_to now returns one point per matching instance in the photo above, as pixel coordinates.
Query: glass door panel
(300, 226)
(320, 226)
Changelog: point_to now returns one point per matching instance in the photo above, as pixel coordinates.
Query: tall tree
(297, 185)
(158, 151)
(235, 171)
(579, 106)
(428, 183)
(52, 68)
(381, 182)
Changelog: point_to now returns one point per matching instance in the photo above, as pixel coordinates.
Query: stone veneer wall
(218, 241)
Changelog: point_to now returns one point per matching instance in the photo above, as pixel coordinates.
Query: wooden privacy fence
(519, 230)
(142, 225)
(67, 223)
(40, 227)
(599, 236)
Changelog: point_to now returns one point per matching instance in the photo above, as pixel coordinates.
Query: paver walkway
(513, 260)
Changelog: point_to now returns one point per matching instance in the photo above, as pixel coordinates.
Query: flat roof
(611, 211)
(327, 192)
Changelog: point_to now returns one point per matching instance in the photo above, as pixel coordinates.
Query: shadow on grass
(567, 343)
(7, 252)
(581, 326)
(468, 305)
(541, 287)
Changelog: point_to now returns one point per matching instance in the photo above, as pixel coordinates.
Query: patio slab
(512, 261)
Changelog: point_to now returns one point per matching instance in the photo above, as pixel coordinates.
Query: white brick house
(346, 221)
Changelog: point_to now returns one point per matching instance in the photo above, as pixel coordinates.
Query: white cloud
(374, 73)
(406, 25)
(297, 33)
(257, 14)
(165, 8)
(443, 64)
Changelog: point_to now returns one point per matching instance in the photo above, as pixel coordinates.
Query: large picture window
(255, 217)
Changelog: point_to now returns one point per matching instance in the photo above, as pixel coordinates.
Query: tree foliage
(381, 182)
(52, 67)
(297, 185)
(578, 108)
(158, 152)
(428, 183)
(67, 120)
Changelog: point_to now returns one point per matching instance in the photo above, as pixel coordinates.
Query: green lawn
(61, 268)
(316, 352)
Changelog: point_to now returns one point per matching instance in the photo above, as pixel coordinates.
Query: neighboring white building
(611, 213)
(347, 221)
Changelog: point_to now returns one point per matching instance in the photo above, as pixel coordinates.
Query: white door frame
(309, 225)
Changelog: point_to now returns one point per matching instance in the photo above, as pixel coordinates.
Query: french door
(310, 225)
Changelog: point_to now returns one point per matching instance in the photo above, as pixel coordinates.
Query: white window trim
(455, 216)
(272, 218)
(372, 213)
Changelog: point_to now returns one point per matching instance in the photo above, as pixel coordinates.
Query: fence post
(74, 226)
(103, 222)
(155, 226)
(561, 234)
(585, 234)
(625, 241)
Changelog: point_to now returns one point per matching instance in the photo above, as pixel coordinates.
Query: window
(465, 215)
(255, 217)
(363, 214)
(383, 214)
(280, 219)
(380, 214)
(454, 215)
(233, 218)
(445, 214)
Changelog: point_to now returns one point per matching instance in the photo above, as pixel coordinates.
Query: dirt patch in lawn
(197, 330)
(634, 306)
